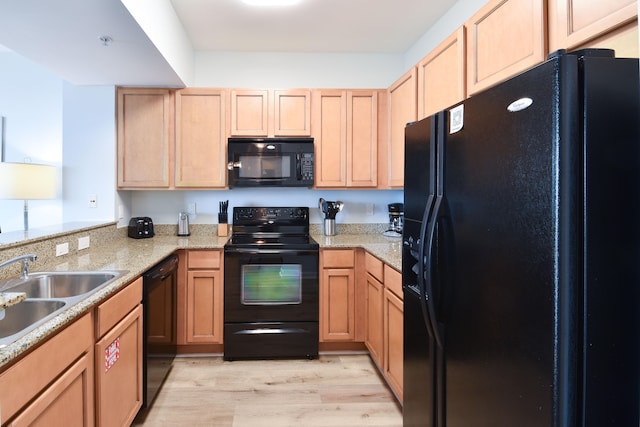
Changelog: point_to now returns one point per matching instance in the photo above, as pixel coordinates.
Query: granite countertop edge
(135, 256)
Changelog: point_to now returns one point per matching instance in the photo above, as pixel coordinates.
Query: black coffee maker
(396, 220)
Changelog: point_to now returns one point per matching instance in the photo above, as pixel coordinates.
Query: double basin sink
(47, 294)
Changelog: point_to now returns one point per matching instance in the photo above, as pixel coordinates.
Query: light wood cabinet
(262, 112)
(337, 295)
(402, 110)
(144, 138)
(572, 23)
(623, 40)
(118, 357)
(345, 127)
(52, 391)
(374, 309)
(393, 329)
(504, 38)
(201, 138)
(204, 298)
(442, 76)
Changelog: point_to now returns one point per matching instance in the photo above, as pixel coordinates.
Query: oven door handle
(252, 251)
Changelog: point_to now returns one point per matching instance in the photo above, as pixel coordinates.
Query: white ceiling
(63, 35)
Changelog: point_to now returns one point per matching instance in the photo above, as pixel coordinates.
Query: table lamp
(27, 181)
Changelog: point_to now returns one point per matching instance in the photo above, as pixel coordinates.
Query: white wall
(296, 70)
(31, 102)
(164, 206)
(89, 152)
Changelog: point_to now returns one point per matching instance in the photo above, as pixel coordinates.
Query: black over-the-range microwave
(270, 162)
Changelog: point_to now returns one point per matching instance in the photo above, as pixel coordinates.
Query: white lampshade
(27, 181)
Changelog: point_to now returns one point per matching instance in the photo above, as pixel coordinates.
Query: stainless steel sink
(66, 284)
(25, 316)
(47, 294)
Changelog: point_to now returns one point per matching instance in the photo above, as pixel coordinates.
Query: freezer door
(419, 160)
(502, 190)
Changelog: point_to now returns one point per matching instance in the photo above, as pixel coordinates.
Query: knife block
(223, 230)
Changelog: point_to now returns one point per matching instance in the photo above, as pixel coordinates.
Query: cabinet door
(118, 372)
(330, 133)
(504, 38)
(393, 341)
(201, 130)
(66, 402)
(374, 315)
(403, 109)
(204, 307)
(574, 22)
(362, 139)
(292, 112)
(337, 305)
(441, 76)
(249, 112)
(144, 133)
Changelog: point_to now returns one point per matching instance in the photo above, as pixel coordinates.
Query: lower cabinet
(41, 390)
(393, 340)
(337, 295)
(385, 317)
(204, 298)
(118, 357)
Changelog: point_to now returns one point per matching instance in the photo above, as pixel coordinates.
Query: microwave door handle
(298, 167)
(234, 165)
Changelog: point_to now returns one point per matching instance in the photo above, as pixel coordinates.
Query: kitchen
(141, 202)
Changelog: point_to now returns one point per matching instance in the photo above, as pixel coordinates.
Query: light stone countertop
(7, 299)
(137, 255)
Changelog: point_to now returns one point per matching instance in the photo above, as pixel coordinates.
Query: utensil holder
(329, 227)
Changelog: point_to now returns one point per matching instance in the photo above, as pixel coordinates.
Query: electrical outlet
(191, 209)
(370, 209)
(93, 201)
(62, 249)
(83, 242)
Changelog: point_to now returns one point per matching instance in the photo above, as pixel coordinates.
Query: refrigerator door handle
(424, 261)
(427, 281)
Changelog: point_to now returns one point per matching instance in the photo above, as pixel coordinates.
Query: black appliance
(140, 227)
(159, 325)
(271, 288)
(521, 244)
(272, 162)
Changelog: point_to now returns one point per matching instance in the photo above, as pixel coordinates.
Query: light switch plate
(83, 242)
(62, 249)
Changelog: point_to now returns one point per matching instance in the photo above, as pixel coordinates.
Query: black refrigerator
(521, 252)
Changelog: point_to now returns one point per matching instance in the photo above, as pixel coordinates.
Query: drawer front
(115, 308)
(340, 258)
(374, 266)
(203, 259)
(393, 281)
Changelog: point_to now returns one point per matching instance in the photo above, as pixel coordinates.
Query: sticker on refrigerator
(456, 119)
(111, 354)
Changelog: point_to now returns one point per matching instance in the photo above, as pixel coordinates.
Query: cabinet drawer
(203, 259)
(24, 380)
(338, 258)
(374, 266)
(115, 308)
(393, 280)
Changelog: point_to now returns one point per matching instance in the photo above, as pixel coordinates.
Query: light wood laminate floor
(334, 390)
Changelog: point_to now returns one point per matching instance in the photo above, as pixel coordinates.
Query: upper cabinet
(441, 76)
(572, 23)
(201, 129)
(504, 38)
(345, 127)
(402, 110)
(144, 137)
(263, 113)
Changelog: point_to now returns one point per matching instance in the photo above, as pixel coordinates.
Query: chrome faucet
(25, 263)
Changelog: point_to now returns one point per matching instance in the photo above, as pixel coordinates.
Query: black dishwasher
(159, 311)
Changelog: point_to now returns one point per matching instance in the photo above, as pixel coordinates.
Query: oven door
(270, 285)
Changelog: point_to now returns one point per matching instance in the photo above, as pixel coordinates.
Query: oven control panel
(270, 214)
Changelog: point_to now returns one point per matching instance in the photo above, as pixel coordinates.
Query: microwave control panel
(306, 167)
